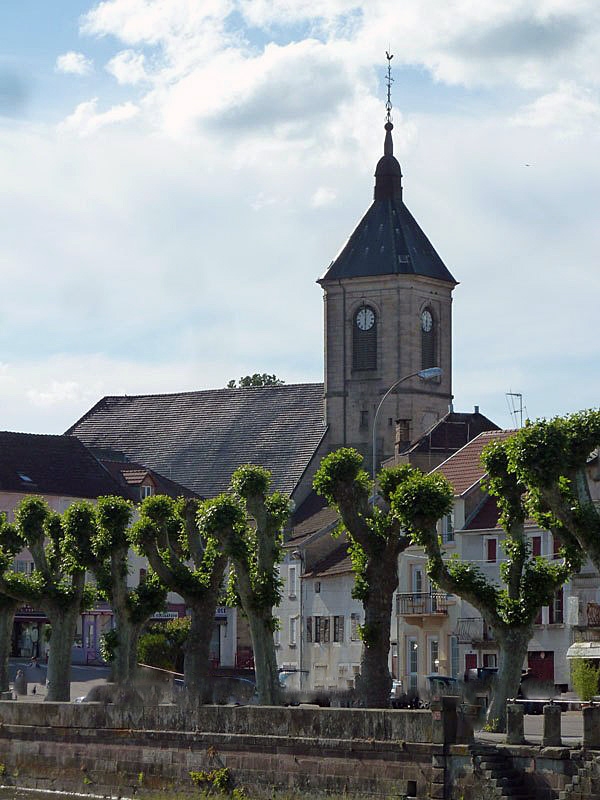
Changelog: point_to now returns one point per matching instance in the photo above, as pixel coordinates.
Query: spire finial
(390, 80)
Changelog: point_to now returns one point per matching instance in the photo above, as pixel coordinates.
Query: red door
(541, 664)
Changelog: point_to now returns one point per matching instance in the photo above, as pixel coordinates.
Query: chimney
(476, 409)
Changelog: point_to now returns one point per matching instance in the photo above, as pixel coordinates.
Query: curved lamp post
(425, 375)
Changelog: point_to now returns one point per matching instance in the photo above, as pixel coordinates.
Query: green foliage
(250, 481)
(148, 597)
(79, 529)
(585, 675)
(109, 641)
(30, 516)
(420, 500)
(113, 518)
(341, 472)
(162, 646)
(256, 380)
(219, 780)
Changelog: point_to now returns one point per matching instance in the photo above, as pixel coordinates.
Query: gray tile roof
(387, 241)
(58, 465)
(199, 438)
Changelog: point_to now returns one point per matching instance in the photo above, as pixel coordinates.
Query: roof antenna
(390, 80)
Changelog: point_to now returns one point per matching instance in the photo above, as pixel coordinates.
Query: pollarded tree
(249, 526)
(188, 562)
(132, 607)
(511, 607)
(551, 458)
(376, 540)
(61, 551)
(10, 544)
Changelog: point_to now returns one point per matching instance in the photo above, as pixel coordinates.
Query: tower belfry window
(428, 339)
(364, 339)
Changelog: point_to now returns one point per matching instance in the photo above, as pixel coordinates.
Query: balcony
(422, 604)
(473, 631)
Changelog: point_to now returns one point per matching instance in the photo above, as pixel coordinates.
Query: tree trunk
(375, 682)
(265, 659)
(8, 608)
(64, 625)
(196, 652)
(124, 666)
(512, 645)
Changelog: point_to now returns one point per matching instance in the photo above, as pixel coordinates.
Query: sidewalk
(571, 729)
(83, 677)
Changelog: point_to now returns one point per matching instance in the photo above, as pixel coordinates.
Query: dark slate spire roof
(388, 239)
(199, 438)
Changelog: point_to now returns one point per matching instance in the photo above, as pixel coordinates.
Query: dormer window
(364, 339)
(145, 491)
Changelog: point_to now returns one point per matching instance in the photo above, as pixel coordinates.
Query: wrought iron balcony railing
(473, 629)
(421, 604)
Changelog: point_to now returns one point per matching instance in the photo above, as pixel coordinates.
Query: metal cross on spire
(390, 80)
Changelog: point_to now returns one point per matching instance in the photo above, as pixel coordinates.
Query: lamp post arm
(381, 402)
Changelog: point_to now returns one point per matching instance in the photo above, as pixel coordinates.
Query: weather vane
(390, 80)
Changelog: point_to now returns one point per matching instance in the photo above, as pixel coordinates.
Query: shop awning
(584, 650)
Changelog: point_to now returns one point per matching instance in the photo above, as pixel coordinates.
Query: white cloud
(324, 196)
(73, 63)
(86, 119)
(568, 109)
(128, 67)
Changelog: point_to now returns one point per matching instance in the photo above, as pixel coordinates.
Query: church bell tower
(388, 315)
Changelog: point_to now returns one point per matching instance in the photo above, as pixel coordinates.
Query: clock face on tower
(426, 321)
(365, 318)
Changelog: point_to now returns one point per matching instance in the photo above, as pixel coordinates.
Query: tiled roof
(132, 474)
(58, 465)
(464, 468)
(199, 438)
(336, 563)
(322, 519)
(452, 432)
(387, 241)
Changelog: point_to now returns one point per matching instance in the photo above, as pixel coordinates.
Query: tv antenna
(514, 400)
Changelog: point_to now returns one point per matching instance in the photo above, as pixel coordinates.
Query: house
(63, 471)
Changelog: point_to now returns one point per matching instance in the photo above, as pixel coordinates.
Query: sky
(176, 175)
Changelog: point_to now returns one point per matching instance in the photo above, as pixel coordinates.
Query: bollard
(591, 727)
(515, 732)
(20, 683)
(551, 736)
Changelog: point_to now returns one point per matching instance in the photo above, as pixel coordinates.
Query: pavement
(571, 723)
(83, 677)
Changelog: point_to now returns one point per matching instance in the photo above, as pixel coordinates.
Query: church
(388, 316)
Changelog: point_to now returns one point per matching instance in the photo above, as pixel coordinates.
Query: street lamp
(425, 375)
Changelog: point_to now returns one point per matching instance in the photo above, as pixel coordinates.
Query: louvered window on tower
(428, 337)
(364, 339)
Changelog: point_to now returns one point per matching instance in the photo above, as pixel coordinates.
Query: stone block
(551, 736)
(514, 724)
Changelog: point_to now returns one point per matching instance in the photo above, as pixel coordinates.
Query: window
(428, 337)
(293, 623)
(277, 633)
(536, 546)
(417, 580)
(448, 527)
(317, 587)
(556, 545)
(556, 615)
(454, 656)
(354, 628)
(292, 581)
(434, 660)
(338, 629)
(323, 629)
(364, 339)
(491, 549)
(490, 660)
(145, 491)
(143, 574)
